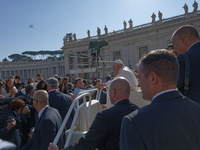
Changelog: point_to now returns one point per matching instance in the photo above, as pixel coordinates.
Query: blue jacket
(104, 132)
(170, 122)
(62, 103)
(193, 91)
(46, 130)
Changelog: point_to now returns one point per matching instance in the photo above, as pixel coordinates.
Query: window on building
(142, 51)
(116, 55)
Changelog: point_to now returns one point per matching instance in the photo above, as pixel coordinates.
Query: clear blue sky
(51, 20)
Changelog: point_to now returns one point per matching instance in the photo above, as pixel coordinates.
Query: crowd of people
(19, 117)
(170, 121)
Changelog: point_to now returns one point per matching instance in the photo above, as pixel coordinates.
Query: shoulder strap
(187, 71)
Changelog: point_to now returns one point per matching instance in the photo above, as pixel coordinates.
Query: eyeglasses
(35, 99)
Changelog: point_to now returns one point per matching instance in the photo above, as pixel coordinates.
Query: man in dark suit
(104, 132)
(48, 124)
(103, 97)
(171, 121)
(18, 82)
(58, 100)
(186, 41)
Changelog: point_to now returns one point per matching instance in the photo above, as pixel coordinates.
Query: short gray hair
(52, 82)
(29, 88)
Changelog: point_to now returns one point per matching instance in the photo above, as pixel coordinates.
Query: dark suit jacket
(5, 134)
(62, 103)
(17, 85)
(46, 130)
(103, 97)
(104, 132)
(194, 76)
(170, 122)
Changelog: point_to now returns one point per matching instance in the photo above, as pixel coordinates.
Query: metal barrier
(76, 103)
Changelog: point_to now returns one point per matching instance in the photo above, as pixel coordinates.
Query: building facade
(27, 69)
(128, 44)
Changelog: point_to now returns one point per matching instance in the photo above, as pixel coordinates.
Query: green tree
(31, 54)
(16, 57)
(44, 54)
(5, 60)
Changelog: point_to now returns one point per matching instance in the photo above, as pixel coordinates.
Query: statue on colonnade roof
(153, 17)
(130, 23)
(124, 24)
(195, 5)
(160, 15)
(186, 8)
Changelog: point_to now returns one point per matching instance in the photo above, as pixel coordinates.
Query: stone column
(50, 71)
(23, 74)
(34, 73)
(66, 61)
(15, 72)
(75, 62)
(31, 73)
(132, 56)
(57, 70)
(6, 74)
(1, 74)
(47, 72)
(125, 54)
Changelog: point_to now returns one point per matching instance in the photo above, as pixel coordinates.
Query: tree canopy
(32, 55)
(43, 53)
(5, 60)
(16, 57)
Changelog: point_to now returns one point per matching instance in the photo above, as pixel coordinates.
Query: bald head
(183, 38)
(42, 97)
(187, 31)
(119, 89)
(121, 84)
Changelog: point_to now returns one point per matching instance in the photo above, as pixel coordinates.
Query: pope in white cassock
(123, 71)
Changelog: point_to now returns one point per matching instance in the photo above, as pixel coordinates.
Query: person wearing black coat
(13, 112)
(104, 132)
(59, 100)
(171, 121)
(186, 44)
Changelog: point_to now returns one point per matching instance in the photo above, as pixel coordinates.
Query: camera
(24, 106)
(28, 99)
(10, 118)
(4, 101)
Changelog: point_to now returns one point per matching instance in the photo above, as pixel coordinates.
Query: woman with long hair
(30, 80)
(9, 90)
(61, 84)
(42, 85)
